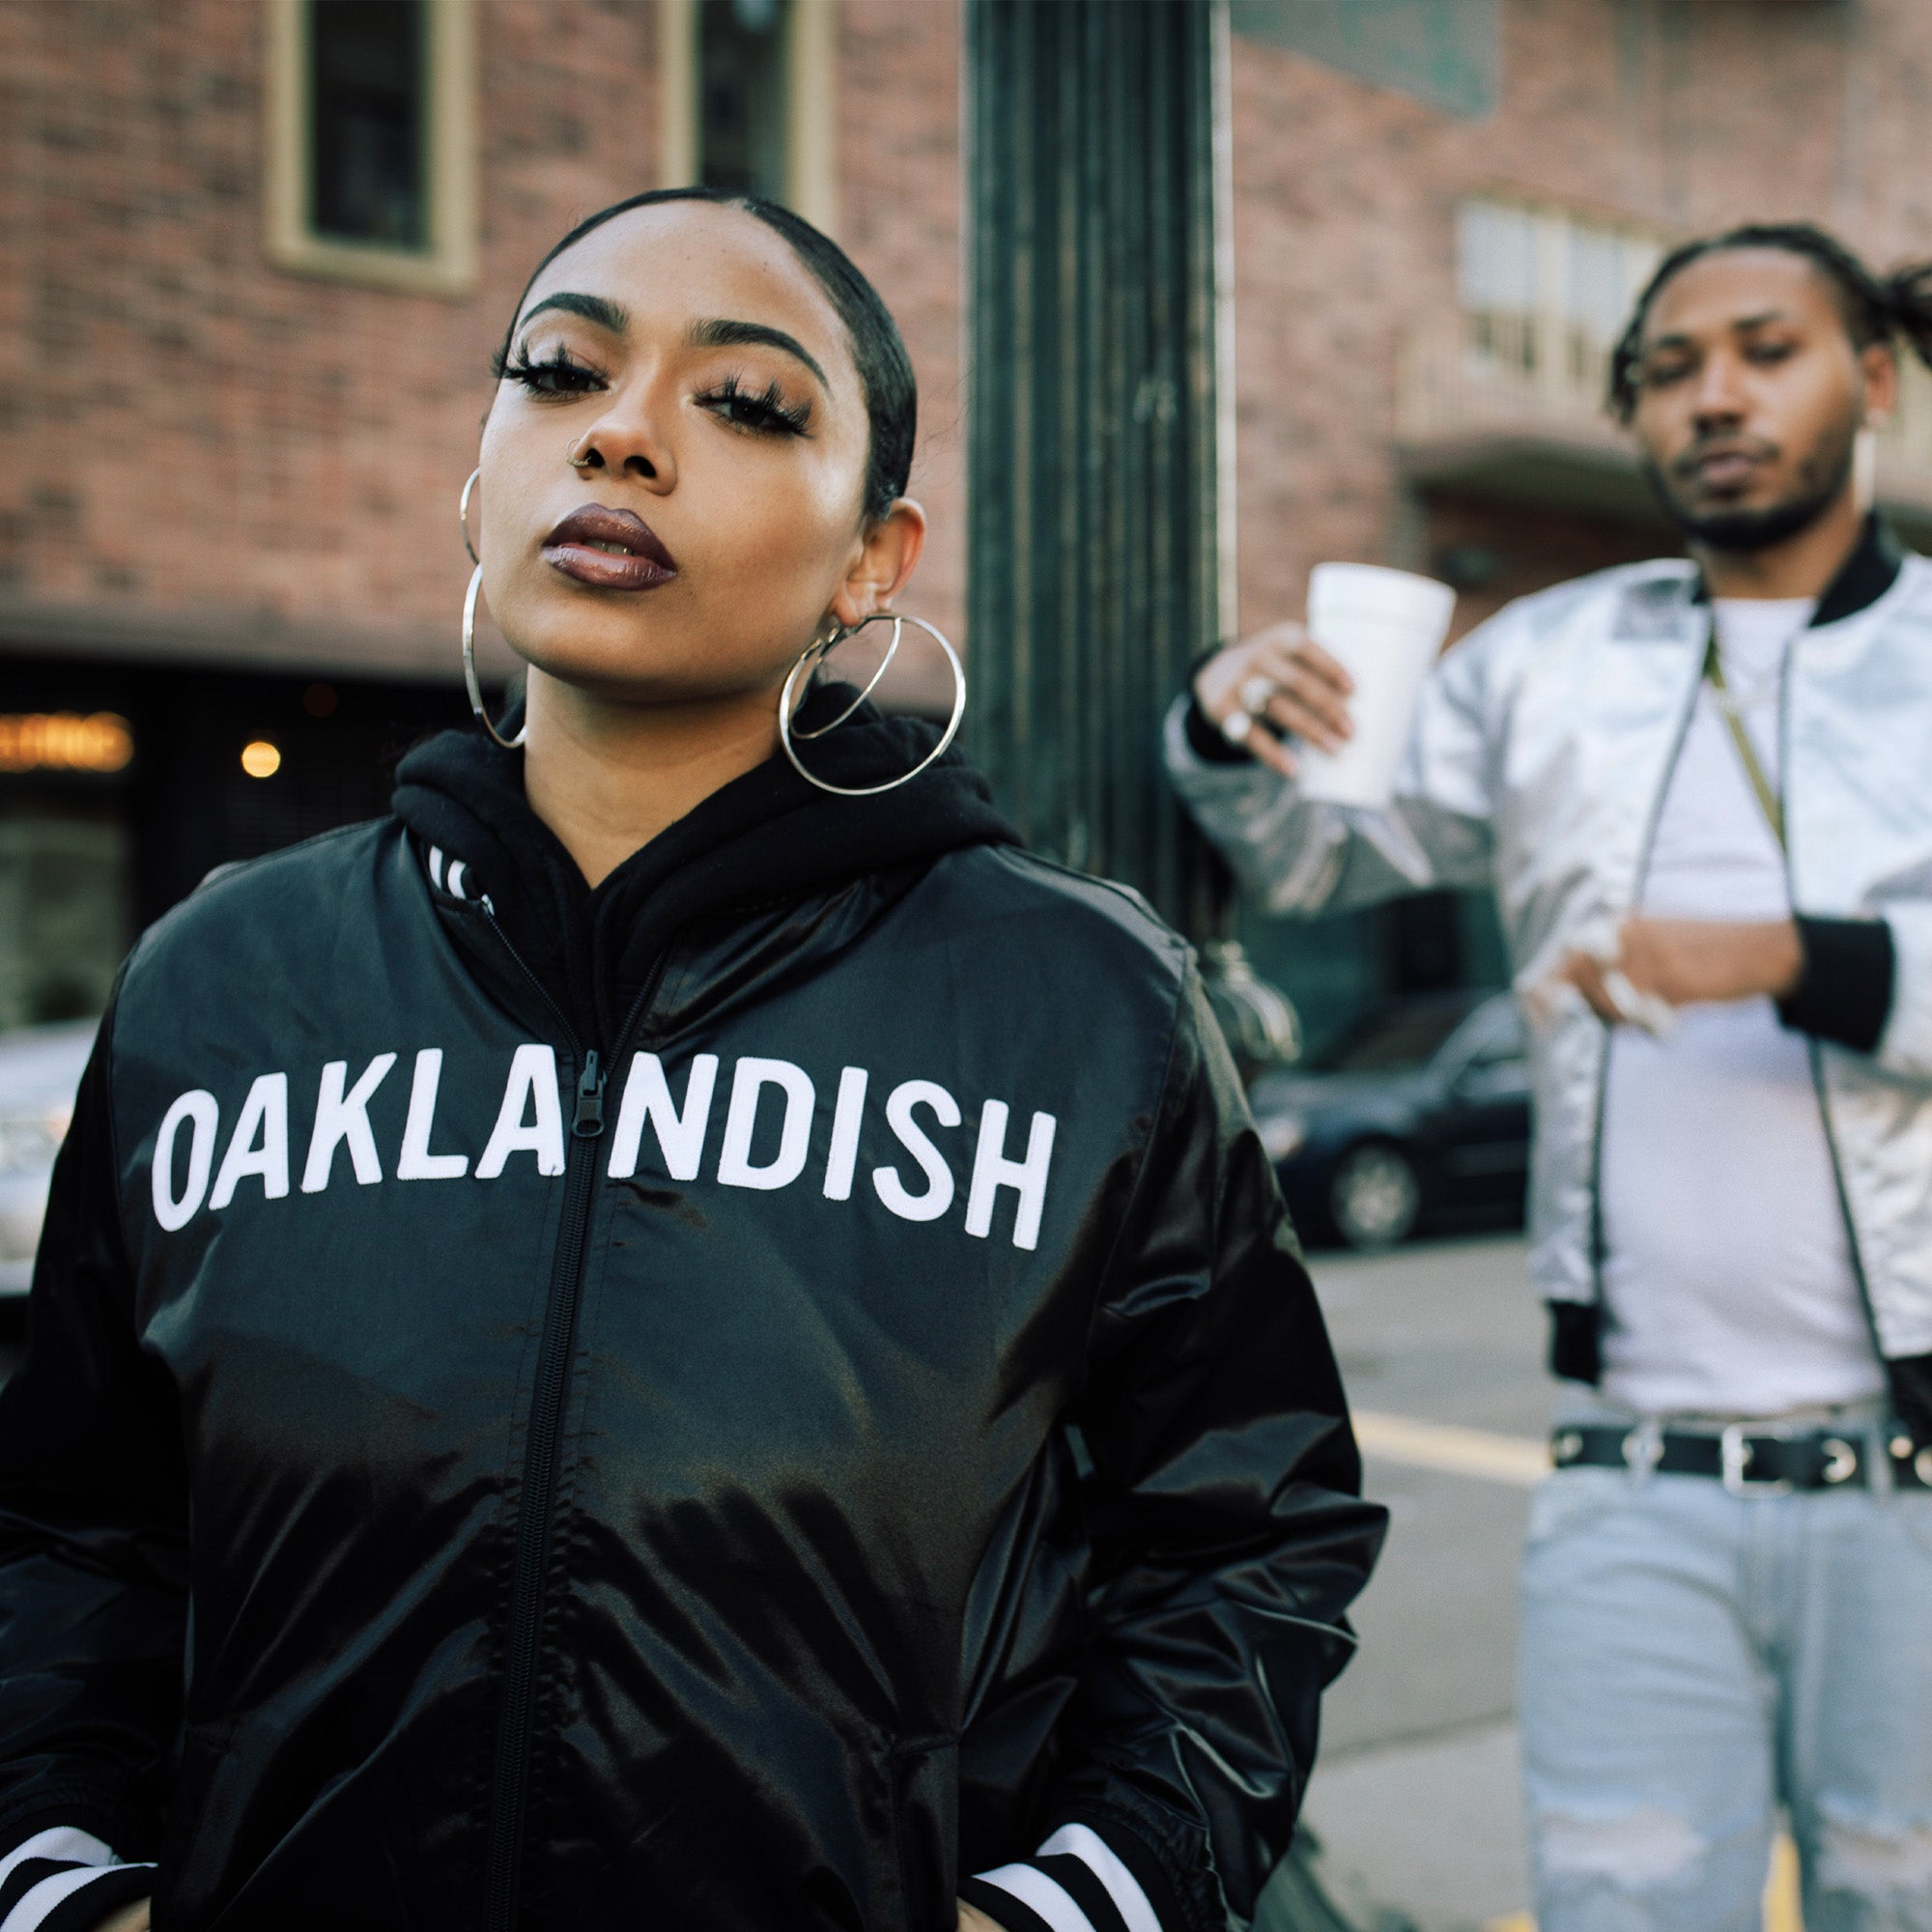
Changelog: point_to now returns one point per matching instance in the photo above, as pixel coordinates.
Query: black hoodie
(735, 1399)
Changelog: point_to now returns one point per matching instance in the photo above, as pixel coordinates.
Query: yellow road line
(1481, 1453)
(1783, 1911)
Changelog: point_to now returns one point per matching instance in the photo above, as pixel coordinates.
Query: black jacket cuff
(1844, 990)
(1203, 735)
(1206, 742)
(1154, 1869)
(115, 1889)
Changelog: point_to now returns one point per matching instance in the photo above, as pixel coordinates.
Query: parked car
(1417, 1118)
(40, 1073)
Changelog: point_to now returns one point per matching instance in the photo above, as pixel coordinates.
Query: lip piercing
(581, 464)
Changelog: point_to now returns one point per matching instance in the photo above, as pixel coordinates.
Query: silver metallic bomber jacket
(1542, 746)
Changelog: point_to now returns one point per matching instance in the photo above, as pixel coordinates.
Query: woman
(649, 1341)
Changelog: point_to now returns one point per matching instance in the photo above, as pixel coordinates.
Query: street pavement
(1415, 1800)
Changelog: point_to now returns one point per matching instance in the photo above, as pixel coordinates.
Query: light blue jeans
(1692, 1662)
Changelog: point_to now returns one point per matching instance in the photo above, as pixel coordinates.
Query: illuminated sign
(63, 741)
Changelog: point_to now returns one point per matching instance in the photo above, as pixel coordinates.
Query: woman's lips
(609, 550)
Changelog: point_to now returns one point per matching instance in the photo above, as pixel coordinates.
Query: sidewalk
(1431, 1829)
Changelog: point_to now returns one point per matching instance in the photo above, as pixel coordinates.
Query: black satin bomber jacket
(724, 1464)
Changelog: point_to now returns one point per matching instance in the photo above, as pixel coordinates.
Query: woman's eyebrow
(600, 309)
(724, 333)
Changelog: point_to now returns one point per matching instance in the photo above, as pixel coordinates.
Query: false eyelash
(520, 369)
(769, 413)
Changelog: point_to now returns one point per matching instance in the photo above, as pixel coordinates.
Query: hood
(765, 838)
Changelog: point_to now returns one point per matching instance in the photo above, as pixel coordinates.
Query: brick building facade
(233, 435)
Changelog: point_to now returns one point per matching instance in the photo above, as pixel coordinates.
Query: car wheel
(1375, 1196)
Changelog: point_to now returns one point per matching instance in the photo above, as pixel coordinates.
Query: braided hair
(1876, 309)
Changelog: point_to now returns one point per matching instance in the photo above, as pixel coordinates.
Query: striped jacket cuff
(64, 1880)
(1083, 1879)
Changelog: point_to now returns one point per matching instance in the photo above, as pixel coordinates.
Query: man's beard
(1822, 480)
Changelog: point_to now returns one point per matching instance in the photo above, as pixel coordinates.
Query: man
(1702, 794)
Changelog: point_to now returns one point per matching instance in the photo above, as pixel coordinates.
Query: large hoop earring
(463, 515)
(815, 653)
(469, 666)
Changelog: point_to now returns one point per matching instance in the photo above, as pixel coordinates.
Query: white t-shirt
(1727, 1279)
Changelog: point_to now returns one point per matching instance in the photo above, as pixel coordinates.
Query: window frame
(809, 60)
(447, 266)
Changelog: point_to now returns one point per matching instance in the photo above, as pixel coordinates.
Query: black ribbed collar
(1865, 576)
(1863, 579)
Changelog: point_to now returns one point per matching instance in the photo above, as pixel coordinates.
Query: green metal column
(1096, 555)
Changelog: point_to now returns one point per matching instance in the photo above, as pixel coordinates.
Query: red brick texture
(1684, 115)
(188, 429)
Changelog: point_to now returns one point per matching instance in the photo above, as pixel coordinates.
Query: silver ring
(1256, 694)
(1238, 727)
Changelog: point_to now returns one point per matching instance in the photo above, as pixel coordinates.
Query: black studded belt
(1749, 1461)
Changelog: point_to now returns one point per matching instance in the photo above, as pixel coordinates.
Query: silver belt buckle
(1734, 1458)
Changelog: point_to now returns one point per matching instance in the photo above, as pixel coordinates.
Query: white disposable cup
(1385, 628)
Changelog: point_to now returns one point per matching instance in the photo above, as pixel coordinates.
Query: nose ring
(581, 464)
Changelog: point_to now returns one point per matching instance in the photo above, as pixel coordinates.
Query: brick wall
(900, 218)
(188, 433)
(1680, 116)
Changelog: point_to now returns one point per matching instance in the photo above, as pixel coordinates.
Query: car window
(1394, 1039)
(1503, 1038)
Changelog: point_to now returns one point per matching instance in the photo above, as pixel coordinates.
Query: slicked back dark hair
(1876, 309)
(878, 351)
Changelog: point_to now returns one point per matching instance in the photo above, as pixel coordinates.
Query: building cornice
(239, 639)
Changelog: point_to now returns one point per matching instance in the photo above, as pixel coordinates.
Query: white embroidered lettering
(749, 1080)
(993, 1170)
(532, 1082)
(843, 1160)
(345, 1117)
(260, 1143)
(172, 1209)
(886, 1181)
(415, 1162)
(680, 1131)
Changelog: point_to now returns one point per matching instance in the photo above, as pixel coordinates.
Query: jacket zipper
(1814, 1058)
(1685, 718)
(510, 1787)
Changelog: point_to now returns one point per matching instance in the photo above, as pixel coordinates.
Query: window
(741, 105)
(747, 99)
(367, 173)
(371, 143)
(1544, 292)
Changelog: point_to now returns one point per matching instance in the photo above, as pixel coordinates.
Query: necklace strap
(1769, 801)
